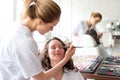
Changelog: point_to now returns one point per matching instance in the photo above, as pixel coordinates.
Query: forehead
(55, 42)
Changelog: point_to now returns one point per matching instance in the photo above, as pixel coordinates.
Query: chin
(58, 59)
(41, 33)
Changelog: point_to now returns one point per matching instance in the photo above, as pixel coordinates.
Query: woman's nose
(58, 48)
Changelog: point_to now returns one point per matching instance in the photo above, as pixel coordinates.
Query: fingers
(38, 52)
(70, 52)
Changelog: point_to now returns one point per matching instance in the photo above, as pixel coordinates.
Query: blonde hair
(47, 10)
(96, 14)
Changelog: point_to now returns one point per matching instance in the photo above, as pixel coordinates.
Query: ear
(38, 21)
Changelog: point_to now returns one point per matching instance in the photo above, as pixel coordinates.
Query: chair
(90, 47)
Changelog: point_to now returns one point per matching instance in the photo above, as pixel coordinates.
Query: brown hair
(96, 14)
(47, 10)
(46, 61)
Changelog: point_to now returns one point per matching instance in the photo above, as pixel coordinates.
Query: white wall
(65, 25)
(109, 8)
(6, 10)
(81, 10)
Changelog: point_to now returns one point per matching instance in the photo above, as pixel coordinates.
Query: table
(116, 34)
(95, 76)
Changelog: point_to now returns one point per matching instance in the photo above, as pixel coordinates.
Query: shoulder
(82, 22)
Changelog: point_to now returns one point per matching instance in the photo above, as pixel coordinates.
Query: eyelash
(57, 47)
(51, 28)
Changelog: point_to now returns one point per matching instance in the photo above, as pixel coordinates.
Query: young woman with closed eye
(53, 52)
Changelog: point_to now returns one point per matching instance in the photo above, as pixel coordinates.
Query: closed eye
(51, 28)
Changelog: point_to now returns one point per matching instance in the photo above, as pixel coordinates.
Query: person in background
(18, 50)
(88, 26)
(53, 52)
(110, 26)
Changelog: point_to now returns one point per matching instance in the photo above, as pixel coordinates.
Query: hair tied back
(32, 4)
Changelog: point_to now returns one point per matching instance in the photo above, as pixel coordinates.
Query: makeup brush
(73, 46)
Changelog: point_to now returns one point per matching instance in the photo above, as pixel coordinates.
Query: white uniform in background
(80, 30)
(18, 55)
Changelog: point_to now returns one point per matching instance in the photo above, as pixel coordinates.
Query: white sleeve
(80, 29)
(77, 29)
(27, 58)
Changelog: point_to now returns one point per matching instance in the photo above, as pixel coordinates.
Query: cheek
(93, 23)
(42, 30)
(50, 52)
(50, 56)
(63, 53)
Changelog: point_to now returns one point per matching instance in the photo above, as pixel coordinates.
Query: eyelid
(51, 28)
(60, 47)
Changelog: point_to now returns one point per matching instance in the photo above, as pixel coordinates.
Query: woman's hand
(100, 35)
(38, 52)
(70, 51)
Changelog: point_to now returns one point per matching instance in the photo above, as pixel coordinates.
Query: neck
(89, 24)
(29, 23)
(53, 63)
(59, 75)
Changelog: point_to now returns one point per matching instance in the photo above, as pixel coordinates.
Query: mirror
(75, 10)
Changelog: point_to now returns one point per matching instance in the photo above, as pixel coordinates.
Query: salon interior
(78, 10)
(89, 59)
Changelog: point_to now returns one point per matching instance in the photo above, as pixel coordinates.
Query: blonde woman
(18, 49)
(85, 26)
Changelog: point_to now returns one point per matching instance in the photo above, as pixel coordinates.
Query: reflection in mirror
(73, 11)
